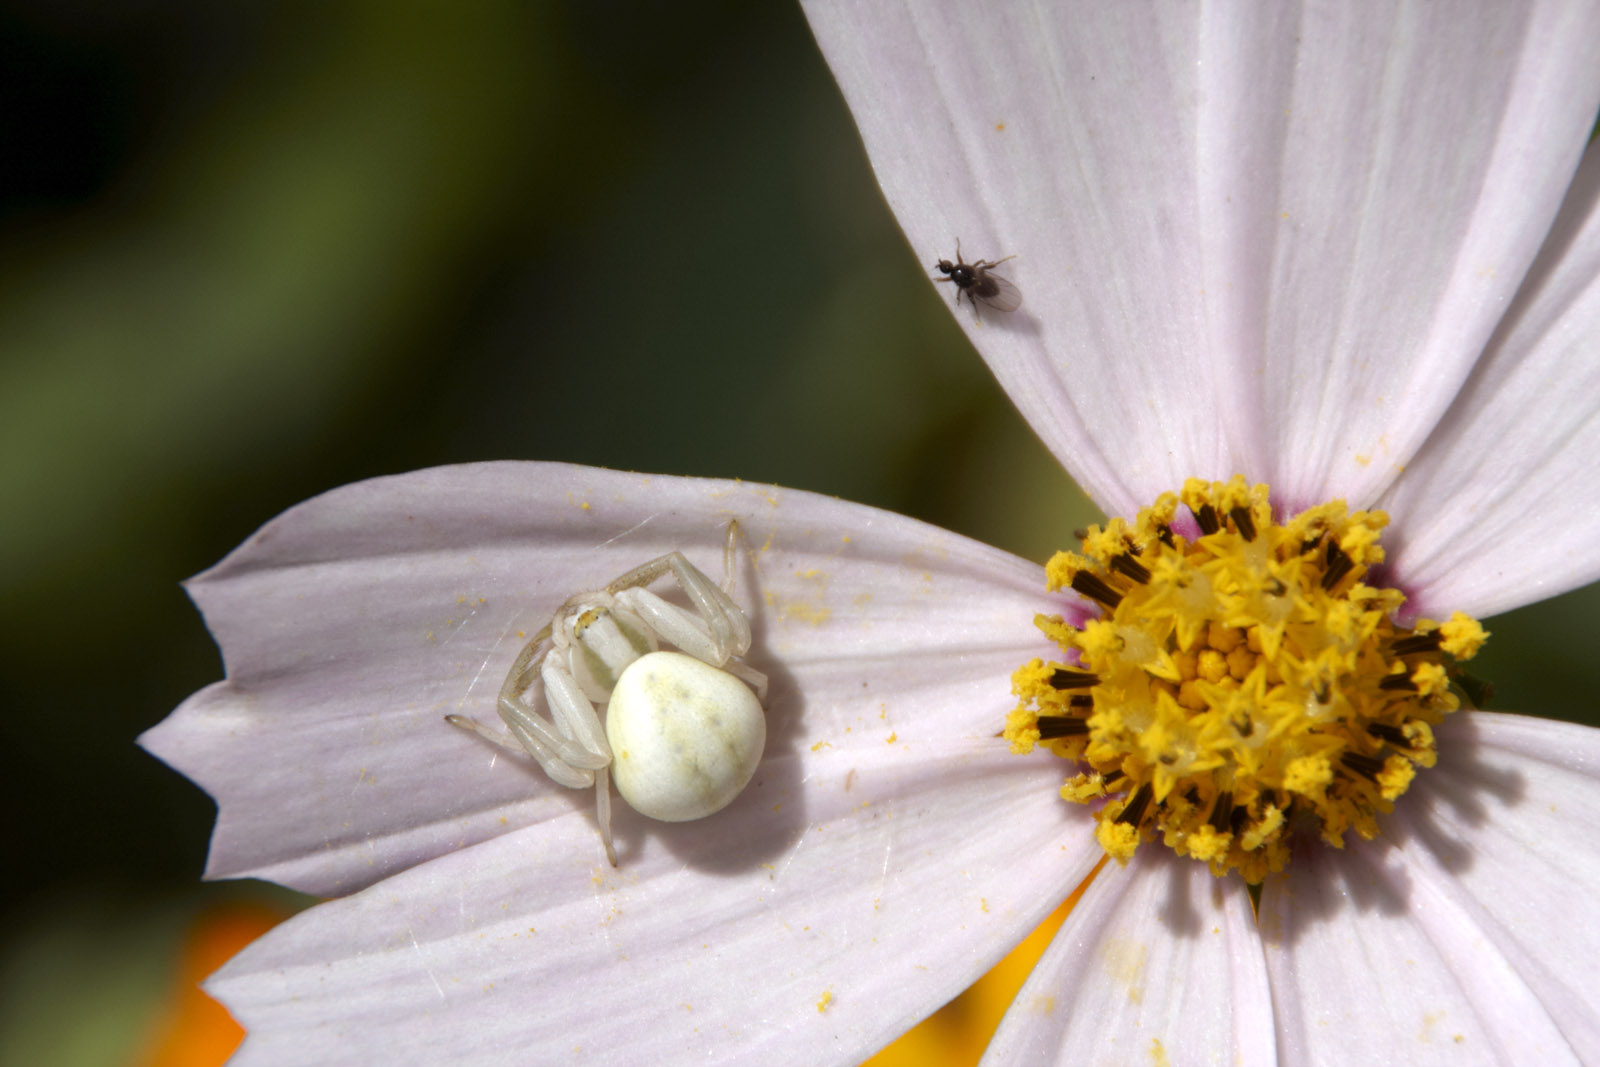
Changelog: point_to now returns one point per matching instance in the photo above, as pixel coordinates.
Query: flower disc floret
(1242, 683)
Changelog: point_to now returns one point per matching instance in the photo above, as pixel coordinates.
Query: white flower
(1332, 248)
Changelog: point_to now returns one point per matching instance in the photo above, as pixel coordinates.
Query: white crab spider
(683, 732)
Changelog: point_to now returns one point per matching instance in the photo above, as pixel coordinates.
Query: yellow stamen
(1240, 687)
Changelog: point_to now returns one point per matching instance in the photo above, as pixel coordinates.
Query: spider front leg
(576, 717)
(719, 617)
(569, 744)
(573, 749)
(715, 636)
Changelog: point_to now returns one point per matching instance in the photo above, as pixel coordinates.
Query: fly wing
(994, 291)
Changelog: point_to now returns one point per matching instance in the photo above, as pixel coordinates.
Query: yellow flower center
(1240, 687)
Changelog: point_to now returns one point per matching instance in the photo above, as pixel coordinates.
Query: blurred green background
(254, 251)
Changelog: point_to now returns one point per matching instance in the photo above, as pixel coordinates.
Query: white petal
(1158, 962)
(1357, 978)
(1505, 827)
(1062, 134)
(1267, 244)
(1500, 507)
(353, 623)
(1452, 939)
(890, 883)
(1379, 178)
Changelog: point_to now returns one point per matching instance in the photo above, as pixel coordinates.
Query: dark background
(250, 252)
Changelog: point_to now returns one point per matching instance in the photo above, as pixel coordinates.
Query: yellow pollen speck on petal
(827, 998)
(1241, 682)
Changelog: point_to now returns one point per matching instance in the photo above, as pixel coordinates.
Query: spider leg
(602, 811)
(545, 741)
(689, 631)
(523, 743)
(500, 740)
(526, 666)
(728, 550)
(573, 712)
(567, 755)
(644, 573)
(748, 674)
(729, 628)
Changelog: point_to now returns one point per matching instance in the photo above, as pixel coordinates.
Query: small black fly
(979, 281)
